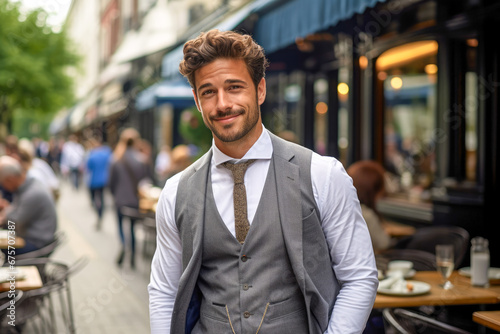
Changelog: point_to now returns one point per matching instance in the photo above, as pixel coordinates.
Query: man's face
(226, 96)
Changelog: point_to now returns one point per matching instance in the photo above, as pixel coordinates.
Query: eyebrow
(228, 81)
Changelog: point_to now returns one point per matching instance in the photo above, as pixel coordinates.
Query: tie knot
(238, 170)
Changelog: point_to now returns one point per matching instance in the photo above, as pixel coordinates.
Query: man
(32, 210)
(98, 162)
(72, 160)
(304, 264)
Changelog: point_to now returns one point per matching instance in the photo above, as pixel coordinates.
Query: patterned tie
(241, 223)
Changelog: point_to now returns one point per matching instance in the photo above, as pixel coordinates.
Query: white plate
(6, 274)
(493, 273)
(419, 288)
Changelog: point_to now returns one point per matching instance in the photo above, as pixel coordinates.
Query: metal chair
(422, 260)
(45, 251)
(426, 239)
(402, 321)
(5, 302)
(55, 278)
(149, 242)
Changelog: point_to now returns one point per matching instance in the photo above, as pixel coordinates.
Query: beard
(234, 132)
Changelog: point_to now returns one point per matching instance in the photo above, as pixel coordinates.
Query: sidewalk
(106, 298)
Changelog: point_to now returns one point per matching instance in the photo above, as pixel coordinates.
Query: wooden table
(18, 243)
(461, 294)
(489, 319)
(32, 280)
(398, 230)
(148, 205)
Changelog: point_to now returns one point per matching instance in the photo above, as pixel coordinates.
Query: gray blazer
(304, 239)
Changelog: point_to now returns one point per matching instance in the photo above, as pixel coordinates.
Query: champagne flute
(445, 263)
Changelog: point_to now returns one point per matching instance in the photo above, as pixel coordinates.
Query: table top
(461, 294)
(489, 319)
(147, 205)
(31, 281)
(395, 229)
(4, 240)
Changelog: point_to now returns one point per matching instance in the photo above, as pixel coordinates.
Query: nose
(223, 101)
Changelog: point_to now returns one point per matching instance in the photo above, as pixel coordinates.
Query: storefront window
(471, 114)
(409, 74)
(321, 115)
(283, 105)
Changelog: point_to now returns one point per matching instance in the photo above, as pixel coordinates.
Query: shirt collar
(262, 149)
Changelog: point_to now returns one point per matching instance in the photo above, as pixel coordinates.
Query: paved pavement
(106, 298)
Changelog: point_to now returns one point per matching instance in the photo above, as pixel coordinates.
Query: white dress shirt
(343, 225)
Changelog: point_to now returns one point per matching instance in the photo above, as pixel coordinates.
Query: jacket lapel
(289, 205)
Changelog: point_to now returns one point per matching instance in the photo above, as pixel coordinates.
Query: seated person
(32, 210)
(369, 180)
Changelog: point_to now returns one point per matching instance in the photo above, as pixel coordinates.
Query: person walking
(259, 235)
(127, 170)
(97, 164)
(72, 160)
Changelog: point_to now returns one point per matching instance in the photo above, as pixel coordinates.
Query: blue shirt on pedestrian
(98, 166)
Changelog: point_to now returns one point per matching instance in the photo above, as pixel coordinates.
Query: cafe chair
(426, 239)
(5, 302)
(46, 251)
(55, 277)
(422, 260)
(149, 243)
(403, 321)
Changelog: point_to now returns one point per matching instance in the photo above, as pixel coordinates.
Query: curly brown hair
(215, 44)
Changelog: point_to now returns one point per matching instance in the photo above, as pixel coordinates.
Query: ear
(196, 100)
(261, 91)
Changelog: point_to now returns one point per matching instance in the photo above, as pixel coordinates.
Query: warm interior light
(321, 108)
(363, 62)
(472, 42)
(406, 53)
(396, 83)
(343, 88)
(382, 75)
(431, 69)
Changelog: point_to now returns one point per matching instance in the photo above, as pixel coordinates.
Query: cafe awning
(299, 18)
(170, 63)
(176, 91)
(60, 123)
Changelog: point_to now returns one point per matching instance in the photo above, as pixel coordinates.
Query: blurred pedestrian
(368, 177)
(98, 161)
(163, 163)
(32, 210)
(72, 160)
(280, 249)
(128, 169)
(54, 154)
(37, 168)
(146, 152)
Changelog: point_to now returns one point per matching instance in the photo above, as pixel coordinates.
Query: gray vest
(302, 234)
(249, 281)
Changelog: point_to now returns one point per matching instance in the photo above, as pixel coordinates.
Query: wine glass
(445, 263)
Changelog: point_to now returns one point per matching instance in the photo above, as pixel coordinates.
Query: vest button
(246, 286)
(244, 258)
(246, 314)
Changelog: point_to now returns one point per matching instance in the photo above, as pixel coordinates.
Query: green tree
(34, 66)
(194, 131)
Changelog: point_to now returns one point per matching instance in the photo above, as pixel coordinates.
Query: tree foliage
(34, 64)
(194, 131)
